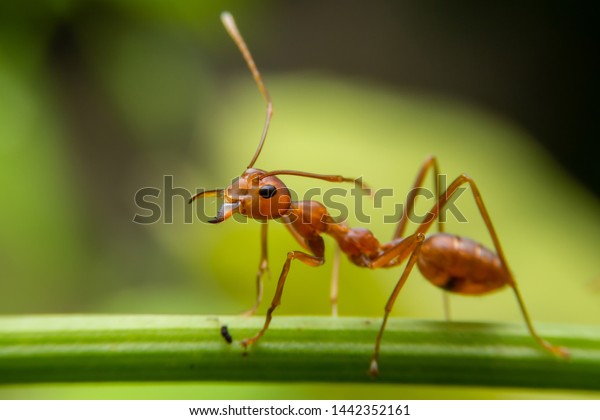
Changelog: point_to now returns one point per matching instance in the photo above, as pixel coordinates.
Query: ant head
(256, 196)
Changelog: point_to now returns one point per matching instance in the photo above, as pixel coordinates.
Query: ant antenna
(232, 29)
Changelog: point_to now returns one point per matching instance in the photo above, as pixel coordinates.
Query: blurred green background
(102, 98)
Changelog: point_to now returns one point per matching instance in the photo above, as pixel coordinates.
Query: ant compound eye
(267, 191)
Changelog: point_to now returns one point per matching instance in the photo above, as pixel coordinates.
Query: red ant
(453, 263)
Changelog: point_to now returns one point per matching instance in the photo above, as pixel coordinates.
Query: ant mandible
(453, 263)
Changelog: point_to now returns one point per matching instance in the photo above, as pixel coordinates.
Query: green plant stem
(76, 348)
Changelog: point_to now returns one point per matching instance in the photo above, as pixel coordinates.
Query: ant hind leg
(434, 214)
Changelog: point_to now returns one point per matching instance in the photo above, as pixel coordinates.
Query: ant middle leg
(430, 164)
(411, 245)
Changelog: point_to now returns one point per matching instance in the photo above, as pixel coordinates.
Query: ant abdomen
(461, 265)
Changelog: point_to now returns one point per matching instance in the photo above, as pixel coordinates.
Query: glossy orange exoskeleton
(453, 263)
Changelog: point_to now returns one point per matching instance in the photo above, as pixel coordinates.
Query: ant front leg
(316, 244)
(263, 267)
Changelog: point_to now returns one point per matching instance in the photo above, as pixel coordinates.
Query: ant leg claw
(561, 352)
(374, 369)
(558, 351)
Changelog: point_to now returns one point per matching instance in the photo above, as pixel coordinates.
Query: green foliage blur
(102, 99)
